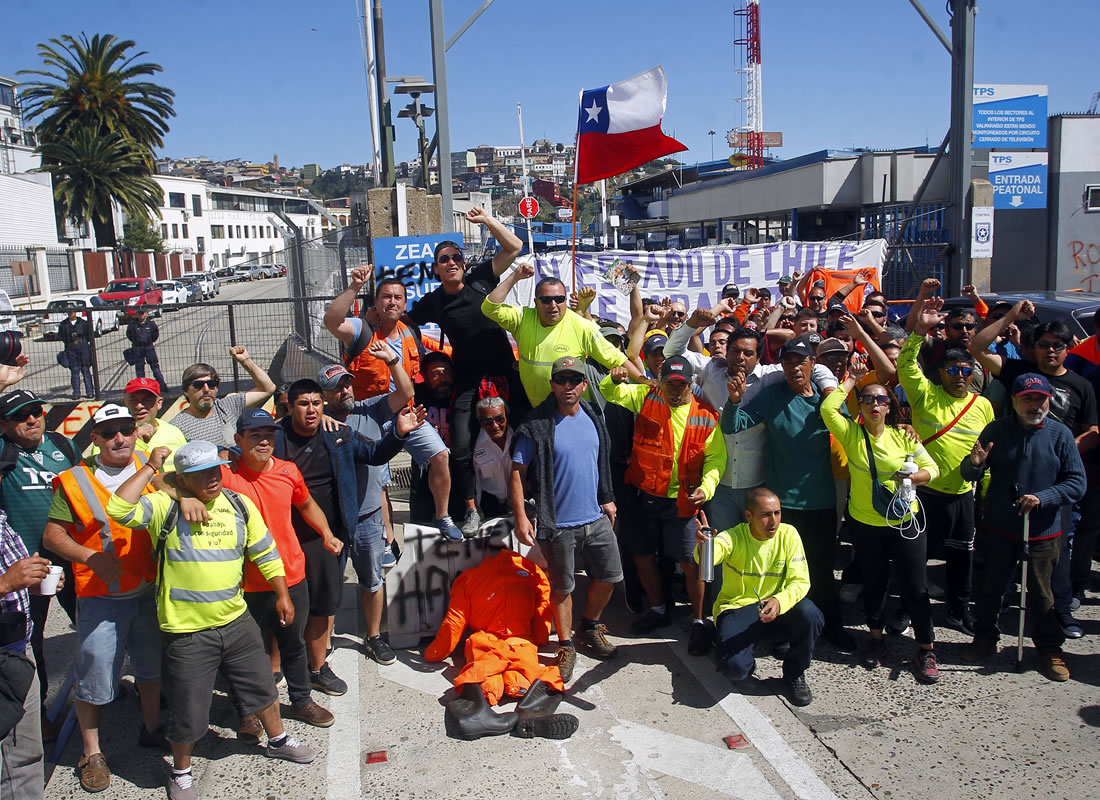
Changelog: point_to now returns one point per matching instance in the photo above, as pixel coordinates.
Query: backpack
(9, 452)
(172, 517)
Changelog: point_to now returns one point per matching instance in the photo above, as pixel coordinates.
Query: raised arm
(402, 384)
(884, 367)
(841, 294)
(263, 386)
(336, 315)
(500, 292)
(510, 244)
(928, 288)
(979, 345)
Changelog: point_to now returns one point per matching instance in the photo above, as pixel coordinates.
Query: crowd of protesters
(763, 431)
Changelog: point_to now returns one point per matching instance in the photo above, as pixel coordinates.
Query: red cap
(138, 384)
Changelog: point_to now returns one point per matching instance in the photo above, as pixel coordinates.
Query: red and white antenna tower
(750, 134)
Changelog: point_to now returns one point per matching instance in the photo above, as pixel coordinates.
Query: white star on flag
(593, 112)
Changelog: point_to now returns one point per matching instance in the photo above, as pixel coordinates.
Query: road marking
(343, 736)
(755, 725)
(725, 771)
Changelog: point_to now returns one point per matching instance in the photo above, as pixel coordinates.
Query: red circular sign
(529, 207)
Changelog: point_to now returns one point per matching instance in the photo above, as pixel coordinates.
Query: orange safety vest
(371, 377)
(654, 450)
(94, 529)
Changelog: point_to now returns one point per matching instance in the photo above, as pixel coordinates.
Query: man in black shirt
(435, 395)
(1072, 402)
(480, 347)
(143, 334)
(76, 334)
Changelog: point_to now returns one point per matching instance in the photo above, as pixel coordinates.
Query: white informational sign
(981, 232)
(1010, 115)
(696, 276)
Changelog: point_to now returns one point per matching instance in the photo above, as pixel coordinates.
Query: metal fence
(922, 251)
(60, 270)
(16, 286)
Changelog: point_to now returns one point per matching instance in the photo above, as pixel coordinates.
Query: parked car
(1075, 309)
(193, 286)
(225, 273)
(89, 306)
(173, 292)
(282, 269)
(269, 271)
(216, 279)
(132, 292)
(247, 272)
(207, 284)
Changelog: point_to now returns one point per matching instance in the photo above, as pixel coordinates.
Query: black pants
(817, 528)
(950, 517)
(290, 639)
(80, 364)
(876, 547)
(144, 353)
(740, 629)
(1002, 558)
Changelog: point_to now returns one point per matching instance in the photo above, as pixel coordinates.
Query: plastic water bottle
(908, 493)
(706, 555)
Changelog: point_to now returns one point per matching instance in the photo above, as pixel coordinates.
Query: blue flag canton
(593, 116)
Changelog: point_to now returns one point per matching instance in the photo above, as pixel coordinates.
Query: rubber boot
(540, 701)
(556, 726)
(469, 716)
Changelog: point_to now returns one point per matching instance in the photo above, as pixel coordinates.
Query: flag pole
(523, 161)
(576, 159)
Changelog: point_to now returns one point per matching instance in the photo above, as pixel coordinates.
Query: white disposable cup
(48, 586)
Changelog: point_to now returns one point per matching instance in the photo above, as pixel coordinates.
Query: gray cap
(196, 456)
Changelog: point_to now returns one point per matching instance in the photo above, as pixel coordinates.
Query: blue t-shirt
(369, 419)
(576, 450)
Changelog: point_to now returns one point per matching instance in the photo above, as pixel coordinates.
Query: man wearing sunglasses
(30, 458)
(493, 456)
(547, 332)
(948, 418)
(114, 571)
(210, 418)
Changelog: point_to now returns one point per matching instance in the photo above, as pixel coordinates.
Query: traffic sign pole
(523, 163)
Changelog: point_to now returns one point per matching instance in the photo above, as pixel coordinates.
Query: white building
(473, 236)
(17, 139)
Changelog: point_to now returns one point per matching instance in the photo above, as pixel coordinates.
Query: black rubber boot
(469, 716)
(540, 701)
(556, 726)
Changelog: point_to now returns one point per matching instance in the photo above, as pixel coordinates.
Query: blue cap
(1030, 382)
(255, 418)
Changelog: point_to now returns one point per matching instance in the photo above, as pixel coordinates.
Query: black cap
(677, 368)
(798, 347)
(731, 290)
(255, 418)
(13, 401)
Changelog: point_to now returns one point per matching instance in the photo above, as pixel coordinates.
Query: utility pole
(442, 119)
(372, 92)
(387, 178)
(962, 113)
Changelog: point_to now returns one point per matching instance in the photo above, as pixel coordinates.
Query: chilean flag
(619, 126)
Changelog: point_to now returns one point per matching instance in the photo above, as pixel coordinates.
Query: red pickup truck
(132, 292)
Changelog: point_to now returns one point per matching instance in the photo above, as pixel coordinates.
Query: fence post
(233, 341)
(76, 264)
(37, 254)
(95, 357)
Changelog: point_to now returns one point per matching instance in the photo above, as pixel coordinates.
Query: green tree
(98, 122)
(142, 234)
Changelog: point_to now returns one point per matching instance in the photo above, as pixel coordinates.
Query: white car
(172, 292)
(57, 311)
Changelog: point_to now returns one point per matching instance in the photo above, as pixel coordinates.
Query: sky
(258, 77)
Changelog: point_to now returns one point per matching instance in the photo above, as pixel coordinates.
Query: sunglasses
(878, 314)
(955, 371)
(568, 380)
(23, 414)
(547, 299)
(497, 420)
(677, 314)
(447, 258)
(817, 298)
(963, 326)
(111, 431)
(1055, 347)
(211, 383)
(939, 327)
(875, 399)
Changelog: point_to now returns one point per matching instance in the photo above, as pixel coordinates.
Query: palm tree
(98, 126)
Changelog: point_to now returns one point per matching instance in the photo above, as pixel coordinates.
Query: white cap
(196, 456)
(109, 412)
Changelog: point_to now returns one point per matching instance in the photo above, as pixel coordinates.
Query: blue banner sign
(1010, 115)
(1019, 180)
(410, 259)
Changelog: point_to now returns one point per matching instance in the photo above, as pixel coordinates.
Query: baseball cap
(329, 378)
(837, 306)
(1030, 382)
(831, 345)
(255, 418)
(109, 412)
(142, 385)
(798, 347)
(567, 365)
(654, 343)
(607, 330)
(677, 368)
(785, 279)
(196, 456)
(13, 401)
(731, 290)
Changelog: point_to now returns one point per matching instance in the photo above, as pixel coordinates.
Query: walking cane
(1024, 557)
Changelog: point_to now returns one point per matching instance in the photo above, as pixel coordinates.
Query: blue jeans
(368, 545)
(740, 629)
(1060, 583)
(106, 628)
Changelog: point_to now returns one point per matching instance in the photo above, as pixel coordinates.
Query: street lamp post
(711, 135)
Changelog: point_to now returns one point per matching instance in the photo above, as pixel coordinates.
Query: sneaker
(650, 622)
(872, 654)
(279, 677)
(447, 527)
(798, 691)
(1071, 628)
(310, 713)
(899, 624)
(182, 787)
(325, 680)
(94, 774)
(594, 642)
(290, 750)
(1075, 603)
(840, 639)
(390, 555)
(154, 739)
(250, 730)
(924, 662)
(979, 650)
(701, 638)
(378, 649)
(963, 621)
(471, 523)
(1053, 666)
(850, 592)
(567, 659)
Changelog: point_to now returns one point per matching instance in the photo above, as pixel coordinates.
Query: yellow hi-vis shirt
(539, 347)
(201, 569)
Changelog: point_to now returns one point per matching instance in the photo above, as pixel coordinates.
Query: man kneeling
(764, 584)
